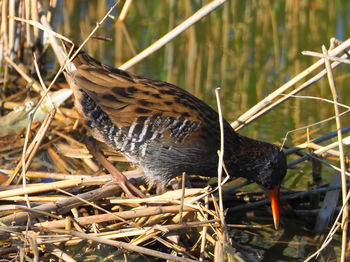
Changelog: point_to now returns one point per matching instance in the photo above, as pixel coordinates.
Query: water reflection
(247, 48)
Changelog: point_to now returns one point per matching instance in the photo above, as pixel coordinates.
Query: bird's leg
(118, 177)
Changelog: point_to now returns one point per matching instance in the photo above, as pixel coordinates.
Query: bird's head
(270, 177)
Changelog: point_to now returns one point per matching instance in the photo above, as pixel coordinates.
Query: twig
(321, 99)
(98, 24)
(221, 156)
(311, 125)
(24, 153)
(37, 25)
(222, 237)
(29, 127)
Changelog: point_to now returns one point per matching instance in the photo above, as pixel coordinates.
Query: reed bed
(54, 197)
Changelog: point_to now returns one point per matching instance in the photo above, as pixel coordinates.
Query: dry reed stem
(345, 215)
(330, 58)
(183, 189)
(318, 152)
(98, 208)
(31, 82)
(316, 140)
(31, 116)
(45, 187)
(58, 50)
(311, 145)
(169, 197)
(54, 250)
(204, 11)
(61, 206)
(50, 175)
(98, 24)
(319, 122)
(337, 103)
(328, 164)
(128, 247)
(36, 199)
(223, 235)
(4, 36)
(124, 11)
(38, 25)
(204, 231)
(119, 216)
(11, 35)
(35, 17)
(52, 6)
(129, 232)
(25, 153)
(266, 104)
(221, 155)
(32, 148)
(128, 39)
(265, 109)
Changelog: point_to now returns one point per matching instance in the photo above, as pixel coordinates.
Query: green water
(249, 49)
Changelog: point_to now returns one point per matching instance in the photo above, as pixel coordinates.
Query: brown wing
(125, 97)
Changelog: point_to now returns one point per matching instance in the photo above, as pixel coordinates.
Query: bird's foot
(130, 190)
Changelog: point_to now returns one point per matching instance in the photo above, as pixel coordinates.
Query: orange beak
(274, 197)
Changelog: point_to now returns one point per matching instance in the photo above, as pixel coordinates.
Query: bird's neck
(247, 157)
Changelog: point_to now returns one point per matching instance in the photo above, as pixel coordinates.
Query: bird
(166, 130)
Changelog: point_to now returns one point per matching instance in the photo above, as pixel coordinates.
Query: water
(249, 49)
